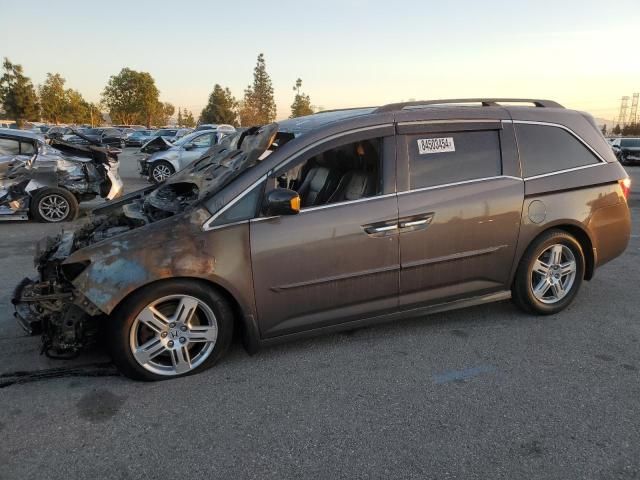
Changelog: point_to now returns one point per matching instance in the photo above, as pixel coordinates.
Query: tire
(171, 347)
(54, 205)
(160, 170)
(558, 284)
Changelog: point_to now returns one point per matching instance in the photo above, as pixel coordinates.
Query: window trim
(462, 182)
(479, 128)
(601, 160)
(207, 226)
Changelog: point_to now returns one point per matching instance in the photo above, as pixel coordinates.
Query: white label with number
(436, 145)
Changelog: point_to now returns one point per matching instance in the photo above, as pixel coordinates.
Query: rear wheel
(160, 171)
(54, 205)
(550, 274)
(169, 330)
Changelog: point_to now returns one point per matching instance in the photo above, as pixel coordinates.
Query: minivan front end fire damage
(83, 274)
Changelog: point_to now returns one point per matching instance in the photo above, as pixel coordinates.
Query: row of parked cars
(45, 175)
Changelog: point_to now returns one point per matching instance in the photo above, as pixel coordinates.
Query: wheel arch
(242, 318)
(576, 231)
(170, 161)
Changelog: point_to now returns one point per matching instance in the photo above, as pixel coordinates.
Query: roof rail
(485, 102)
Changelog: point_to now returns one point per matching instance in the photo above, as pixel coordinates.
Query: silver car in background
(162, 164)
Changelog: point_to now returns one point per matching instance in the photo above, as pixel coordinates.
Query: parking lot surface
(486, 392)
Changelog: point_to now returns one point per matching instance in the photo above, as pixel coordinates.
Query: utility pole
(633, 116)
(624, 106)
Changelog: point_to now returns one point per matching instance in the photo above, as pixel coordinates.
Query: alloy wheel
(173, 335)
(54, 207)
(553, 274)
(161, 173)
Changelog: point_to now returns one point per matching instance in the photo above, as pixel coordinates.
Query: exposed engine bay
(55, 304)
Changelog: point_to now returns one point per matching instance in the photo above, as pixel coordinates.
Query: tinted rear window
(631, 142)
(545, 149)
(441, 158)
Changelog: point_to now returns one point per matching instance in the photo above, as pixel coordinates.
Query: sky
(583, 54)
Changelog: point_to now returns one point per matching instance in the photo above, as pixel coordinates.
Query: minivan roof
(482, 109)
(307, 123)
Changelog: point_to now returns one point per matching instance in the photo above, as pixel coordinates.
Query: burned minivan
(47, 182)
(335, 221)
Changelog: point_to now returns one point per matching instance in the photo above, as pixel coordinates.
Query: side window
(244, 209)
(27, 148)
(546, 149)
(442, 158)
(9, 146)
(203, 141)
(344, 173)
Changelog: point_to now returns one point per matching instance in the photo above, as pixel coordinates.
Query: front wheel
(170, 330)
(160, 171)
(550, 274)
(53, 205)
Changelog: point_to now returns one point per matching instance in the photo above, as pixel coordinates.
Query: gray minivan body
(433, 206)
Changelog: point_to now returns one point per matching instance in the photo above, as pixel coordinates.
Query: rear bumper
(610, 228)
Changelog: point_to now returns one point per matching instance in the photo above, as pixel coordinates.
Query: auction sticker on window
(436, 145)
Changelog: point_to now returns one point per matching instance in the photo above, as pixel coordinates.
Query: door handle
(381, 228)
(416, 222)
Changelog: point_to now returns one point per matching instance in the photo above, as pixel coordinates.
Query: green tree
(301, 105)
(131, 97)
(258, 106)
(180, 119)
(77, 109)
(617, 130)
(222, 107)
(17, 94)
(53, 98)
(162, 113)
(188, 120)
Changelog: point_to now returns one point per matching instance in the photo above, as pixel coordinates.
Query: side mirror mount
(189, 146)
(282, 201)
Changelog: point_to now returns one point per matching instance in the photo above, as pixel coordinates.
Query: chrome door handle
(378, 229)
(381, 228)
(414, 223)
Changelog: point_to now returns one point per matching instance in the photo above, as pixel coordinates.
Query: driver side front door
(331, 263)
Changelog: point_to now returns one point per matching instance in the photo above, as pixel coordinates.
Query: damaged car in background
(167, 158)
(47, 182)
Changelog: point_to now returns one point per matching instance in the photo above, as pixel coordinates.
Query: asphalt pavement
(486, 392)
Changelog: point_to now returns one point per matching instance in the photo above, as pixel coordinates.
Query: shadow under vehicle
(332, 222)
(47, 182)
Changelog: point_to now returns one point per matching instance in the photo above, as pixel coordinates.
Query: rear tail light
(625, 184)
